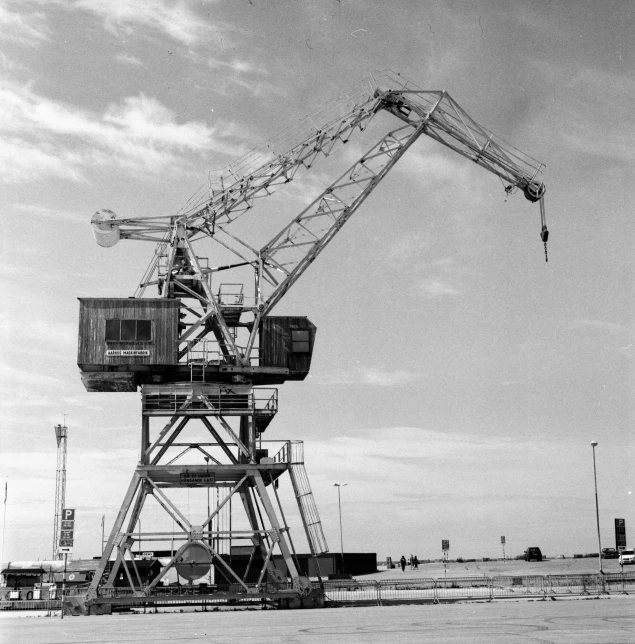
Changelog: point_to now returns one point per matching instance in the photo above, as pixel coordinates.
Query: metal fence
(474, 588)
(351, 592)
(396, 591)
(518, 586)
(384, 592)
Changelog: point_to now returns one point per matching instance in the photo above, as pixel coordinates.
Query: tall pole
(61, 435)
(63, 588)
(339, 503)
(597, 509)
(4, 520)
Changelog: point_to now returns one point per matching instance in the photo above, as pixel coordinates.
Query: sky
(457, 379)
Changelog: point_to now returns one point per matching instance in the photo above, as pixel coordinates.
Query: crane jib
(276, 163)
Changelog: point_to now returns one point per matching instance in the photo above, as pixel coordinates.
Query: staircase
(308, 509)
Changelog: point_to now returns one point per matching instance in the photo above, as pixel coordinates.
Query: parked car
(533, 554)
(610, 553)
(627, 557)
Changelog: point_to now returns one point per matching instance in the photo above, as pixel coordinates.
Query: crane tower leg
(217, 463)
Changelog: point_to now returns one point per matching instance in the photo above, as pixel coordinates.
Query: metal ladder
(197, 371)
(308, 509)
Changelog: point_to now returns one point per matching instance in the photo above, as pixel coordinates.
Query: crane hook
(544, 233)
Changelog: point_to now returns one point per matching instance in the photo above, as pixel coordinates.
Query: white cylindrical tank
(106, 232)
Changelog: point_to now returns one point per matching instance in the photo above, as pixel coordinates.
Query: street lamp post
(339, 503)
(597, 510)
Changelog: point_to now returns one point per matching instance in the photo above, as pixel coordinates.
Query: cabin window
(300, 340)
(128, 330)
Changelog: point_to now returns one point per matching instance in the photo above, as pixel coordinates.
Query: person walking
(415, 562)
(402, 561)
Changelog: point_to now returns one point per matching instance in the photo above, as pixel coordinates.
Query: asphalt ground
(581, 621)
(576, 620)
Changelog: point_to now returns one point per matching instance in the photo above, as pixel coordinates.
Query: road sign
(620, 534)
(68, 527)
(68, 550)
(68, 514)
(445, 544)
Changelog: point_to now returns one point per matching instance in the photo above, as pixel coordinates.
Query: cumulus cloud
(42, 137)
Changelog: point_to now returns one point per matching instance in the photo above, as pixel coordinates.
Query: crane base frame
(248, 473)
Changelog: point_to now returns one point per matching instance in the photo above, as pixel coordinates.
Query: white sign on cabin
(112, 353)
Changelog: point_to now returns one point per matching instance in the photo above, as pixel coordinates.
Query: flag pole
(4, 521)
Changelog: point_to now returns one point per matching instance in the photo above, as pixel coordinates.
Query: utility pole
(339, 486)
(61, 435)
(597, 511)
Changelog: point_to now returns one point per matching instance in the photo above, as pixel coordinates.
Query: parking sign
(68, 514)
(68, 526)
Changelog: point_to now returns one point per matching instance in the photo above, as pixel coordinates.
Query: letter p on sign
(68, 514)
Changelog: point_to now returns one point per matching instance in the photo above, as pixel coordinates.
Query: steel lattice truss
(279, 263)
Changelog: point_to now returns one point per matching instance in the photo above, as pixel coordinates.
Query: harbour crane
(207, 346)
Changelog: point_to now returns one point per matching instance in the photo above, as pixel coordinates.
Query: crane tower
(61, 436)
(207, 353)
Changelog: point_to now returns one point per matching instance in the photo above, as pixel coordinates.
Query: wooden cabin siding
(276, 343)
(93, 313)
